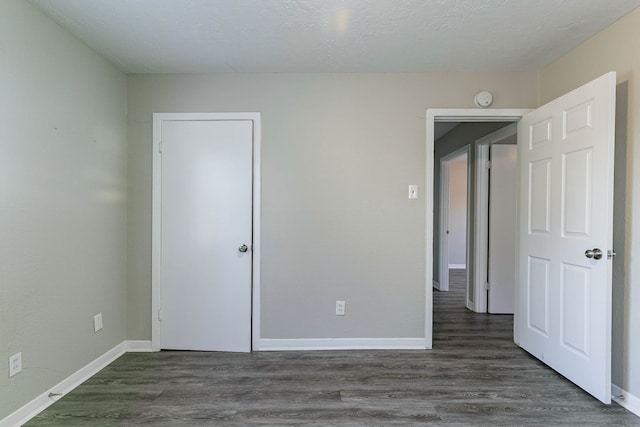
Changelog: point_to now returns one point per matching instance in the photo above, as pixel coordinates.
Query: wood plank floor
(474, 376)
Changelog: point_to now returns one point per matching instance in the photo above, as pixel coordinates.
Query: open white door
(563, 313)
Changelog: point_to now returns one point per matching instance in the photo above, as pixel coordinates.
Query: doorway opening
(198, 218)
(459, 157)
(565, 204)
(437, 116)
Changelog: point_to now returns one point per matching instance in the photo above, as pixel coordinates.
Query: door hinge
(486, 286)
(159, 314)
(160, 147)
(488, 164)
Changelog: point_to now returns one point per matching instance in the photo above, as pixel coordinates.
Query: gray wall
(63, 195)
(615, 48)
(339, 151)
(462, 135)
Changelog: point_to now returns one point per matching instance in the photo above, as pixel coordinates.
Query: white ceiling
(176, 36)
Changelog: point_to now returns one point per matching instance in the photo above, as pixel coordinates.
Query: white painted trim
(476, 115)
(43, 401)
(468, 304)
(307, 344)
(138, 346)
(436, 284)
(481, 208)
(625, 399)
(428, 230)
(447, 115)
(156, 250)
(443, 225)
(156, 222)
(457, 266)
(257, 227)
(468, 248)
(481, 230)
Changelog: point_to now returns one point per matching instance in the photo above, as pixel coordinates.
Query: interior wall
(458, 212)
(63, 192)
(460, 136)
(338, 152)
(615, 49)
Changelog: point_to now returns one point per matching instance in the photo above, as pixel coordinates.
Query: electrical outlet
(97, 322)
(15, 364)
(340, 307)
(413, 191)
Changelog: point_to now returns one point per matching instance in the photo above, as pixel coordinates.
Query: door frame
(481, 216)
(156, 205)
(445, 187)
(447, 115)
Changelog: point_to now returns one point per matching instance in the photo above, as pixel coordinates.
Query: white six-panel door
(206, 234)
(565, 209)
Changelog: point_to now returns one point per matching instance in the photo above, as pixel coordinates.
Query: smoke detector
(483, 99)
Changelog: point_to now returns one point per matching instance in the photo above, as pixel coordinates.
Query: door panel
(576, 193)
(575, 307)
(539, 196)
(206, 216)
(540, 133)
(538, 295)
(563, 312)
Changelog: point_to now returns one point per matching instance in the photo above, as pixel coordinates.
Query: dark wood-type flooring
(474, 376)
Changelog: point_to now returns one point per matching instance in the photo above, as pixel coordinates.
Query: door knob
(243, 248)
(593, 253)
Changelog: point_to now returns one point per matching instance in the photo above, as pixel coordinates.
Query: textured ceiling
(171, 36)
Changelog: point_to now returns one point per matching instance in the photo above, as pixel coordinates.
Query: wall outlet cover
(413, 191)
(340, 308)
(15, 364)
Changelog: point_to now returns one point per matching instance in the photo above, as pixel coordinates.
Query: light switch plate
(97, 322)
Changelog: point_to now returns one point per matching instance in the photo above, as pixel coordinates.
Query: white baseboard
(458, 266)
(267, 344)
(625, 399)
(138, 346)
(436, 284)
(43, 401)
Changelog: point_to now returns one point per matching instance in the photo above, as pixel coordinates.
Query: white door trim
(447, 115)
(156, 249)
(443, 253)
(481, 218)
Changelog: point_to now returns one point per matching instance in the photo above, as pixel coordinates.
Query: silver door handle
(243, 248)
(593, 253)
